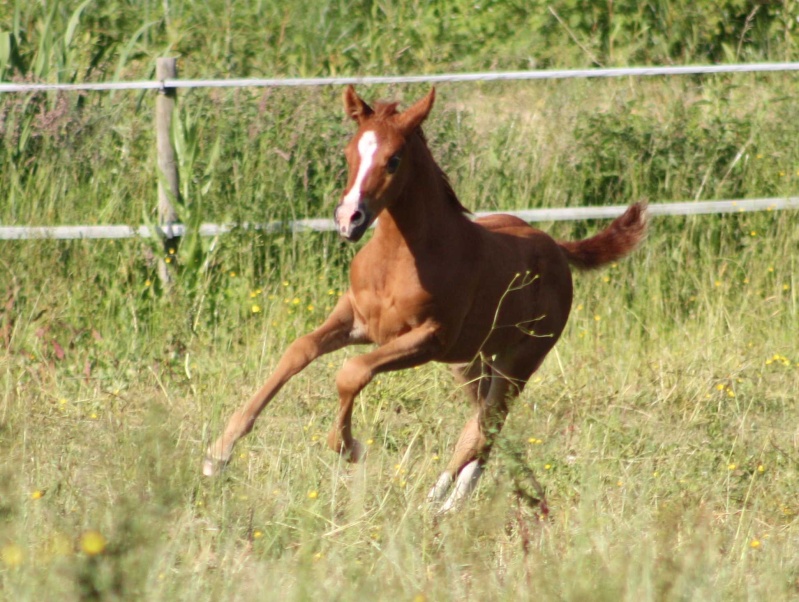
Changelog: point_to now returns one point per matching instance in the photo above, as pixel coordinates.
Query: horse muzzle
(351, 223)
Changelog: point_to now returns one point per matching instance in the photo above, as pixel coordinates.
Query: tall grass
(662, 426)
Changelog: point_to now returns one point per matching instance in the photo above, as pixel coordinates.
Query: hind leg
(477, 439)
(475, 379)
(508, 377)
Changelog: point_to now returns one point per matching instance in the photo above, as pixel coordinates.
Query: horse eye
(393, 163)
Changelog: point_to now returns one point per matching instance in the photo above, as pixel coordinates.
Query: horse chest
(395, 289)
(383, 314)
(384, 318)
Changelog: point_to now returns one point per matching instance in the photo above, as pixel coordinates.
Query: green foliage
(73, 40)
(626, 154)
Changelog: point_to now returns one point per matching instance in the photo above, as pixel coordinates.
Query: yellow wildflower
(92, 542)
(12, 555)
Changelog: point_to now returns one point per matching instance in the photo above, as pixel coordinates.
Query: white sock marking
(441, 487)
(466, 484)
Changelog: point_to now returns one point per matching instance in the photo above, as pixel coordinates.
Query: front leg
(336, 332)
(413, 348)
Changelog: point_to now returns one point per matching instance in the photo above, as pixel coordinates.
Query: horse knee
(353, 377)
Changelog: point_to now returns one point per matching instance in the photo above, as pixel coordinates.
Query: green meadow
(663, 427)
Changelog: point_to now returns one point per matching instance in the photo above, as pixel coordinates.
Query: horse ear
(355, 106)
(412, 118)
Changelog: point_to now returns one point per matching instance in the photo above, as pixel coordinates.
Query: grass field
(663, 426)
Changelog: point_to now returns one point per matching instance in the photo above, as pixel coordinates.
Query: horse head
(378, 159)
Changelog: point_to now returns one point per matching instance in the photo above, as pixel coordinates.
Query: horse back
(508, 224)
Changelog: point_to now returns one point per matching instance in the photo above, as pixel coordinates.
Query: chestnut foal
(490, 296)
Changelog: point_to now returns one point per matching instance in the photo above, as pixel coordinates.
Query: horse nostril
(357, 218)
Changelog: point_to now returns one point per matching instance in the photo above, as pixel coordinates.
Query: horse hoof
(353, 453)
(357, 452)
(212, 467)
(464, 486)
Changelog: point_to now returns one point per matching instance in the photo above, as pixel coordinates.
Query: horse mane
(385, 110)
(449, 192)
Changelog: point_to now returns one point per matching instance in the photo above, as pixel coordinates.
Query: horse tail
(621, 237)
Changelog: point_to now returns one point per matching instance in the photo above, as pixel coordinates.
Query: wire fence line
(488, 76)
(327, 225)
(530, 215)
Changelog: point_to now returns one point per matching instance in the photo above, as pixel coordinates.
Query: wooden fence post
(168, 182)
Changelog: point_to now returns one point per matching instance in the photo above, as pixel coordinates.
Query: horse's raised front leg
(413, 348)
(334, 333)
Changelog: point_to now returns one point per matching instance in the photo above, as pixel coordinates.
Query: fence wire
(487, 76)
(321, 225)
(327, 225)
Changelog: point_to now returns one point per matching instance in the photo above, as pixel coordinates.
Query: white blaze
(367, 146)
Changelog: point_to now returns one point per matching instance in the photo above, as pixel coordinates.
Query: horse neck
(425, 210)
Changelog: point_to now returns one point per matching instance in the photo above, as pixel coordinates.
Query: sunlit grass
(662, 432)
